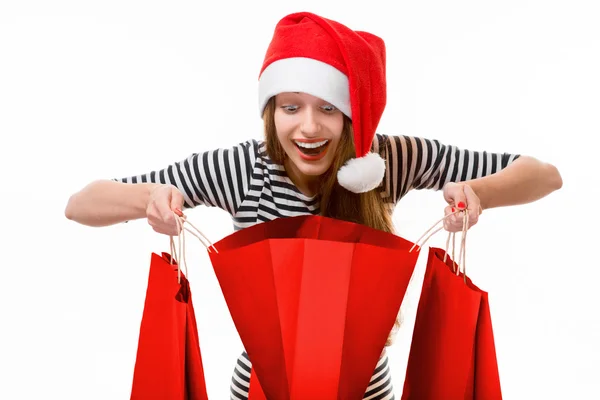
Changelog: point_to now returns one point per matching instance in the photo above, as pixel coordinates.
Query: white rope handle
(463, 248)
(427, 237)
(181, 222)
(451, 235)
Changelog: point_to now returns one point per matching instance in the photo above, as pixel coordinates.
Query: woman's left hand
(460, 196)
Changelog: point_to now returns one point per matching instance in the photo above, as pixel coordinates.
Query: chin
(311, 169)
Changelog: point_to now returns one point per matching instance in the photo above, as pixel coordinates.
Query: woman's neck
(307, 185)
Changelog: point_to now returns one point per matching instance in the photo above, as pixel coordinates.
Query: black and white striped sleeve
(419, 163)
(216, 178)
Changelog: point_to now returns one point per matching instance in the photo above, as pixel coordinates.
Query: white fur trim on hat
(306, 75)
(362, 174)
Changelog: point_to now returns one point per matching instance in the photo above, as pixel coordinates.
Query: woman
(322, 91)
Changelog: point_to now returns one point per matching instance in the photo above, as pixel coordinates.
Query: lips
(312, 149)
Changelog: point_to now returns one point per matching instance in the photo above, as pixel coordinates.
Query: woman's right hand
(165, 202)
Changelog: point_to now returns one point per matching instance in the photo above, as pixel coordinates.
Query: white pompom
(362, 174)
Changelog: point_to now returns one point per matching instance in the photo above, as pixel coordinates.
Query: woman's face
(309, 130)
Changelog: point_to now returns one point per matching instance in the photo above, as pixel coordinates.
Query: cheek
(283, 126)
(336, 126)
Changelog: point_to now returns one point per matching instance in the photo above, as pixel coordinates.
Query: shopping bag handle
(182, 220)
(463, 247)
(451, 235)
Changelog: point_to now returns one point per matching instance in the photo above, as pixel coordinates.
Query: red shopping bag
(314, 300)
(168, 362)
(486, 375)
(441, 353)
(452, 354)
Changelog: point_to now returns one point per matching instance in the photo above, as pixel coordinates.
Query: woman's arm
(106, 202)
(216, 178)
(523, 181)
(419, 163)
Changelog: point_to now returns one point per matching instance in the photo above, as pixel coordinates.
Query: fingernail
(461, 205)
(453, 209)
(178, 212)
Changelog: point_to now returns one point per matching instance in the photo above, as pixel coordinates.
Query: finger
(453, 227)
(449, 210)
(164, 220)
(474, 204)
(450, 226)
(458, 215)
(473, 217)
(177, 202)
(447, 216)
(459, 198)
(453, 221)
(156, 221)
(166, 214)
(174, 226)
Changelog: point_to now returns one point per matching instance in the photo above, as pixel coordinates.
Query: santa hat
(346, 68)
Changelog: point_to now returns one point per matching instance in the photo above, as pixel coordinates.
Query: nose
(310, 125)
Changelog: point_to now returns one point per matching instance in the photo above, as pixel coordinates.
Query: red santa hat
(346, 68)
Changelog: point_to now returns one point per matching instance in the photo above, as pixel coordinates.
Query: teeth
(311, 145)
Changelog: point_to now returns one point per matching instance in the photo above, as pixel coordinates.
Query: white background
(107, 89)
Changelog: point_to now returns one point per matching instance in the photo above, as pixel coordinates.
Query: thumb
(176, 200)
(457, 197)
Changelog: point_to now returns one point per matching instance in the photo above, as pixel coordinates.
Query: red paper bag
(452, 354)
(314, 300)
(168, 362)
(486, 383)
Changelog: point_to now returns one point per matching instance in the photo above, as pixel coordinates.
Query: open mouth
(312, 149)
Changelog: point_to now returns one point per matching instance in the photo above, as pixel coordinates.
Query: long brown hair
(368, 208)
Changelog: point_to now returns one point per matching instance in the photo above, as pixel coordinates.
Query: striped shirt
(245, 182)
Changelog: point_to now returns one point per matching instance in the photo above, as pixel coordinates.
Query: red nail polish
(461, 205)
(453, 209)
(178, 212)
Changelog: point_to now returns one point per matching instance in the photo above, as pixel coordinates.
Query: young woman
(322, 91)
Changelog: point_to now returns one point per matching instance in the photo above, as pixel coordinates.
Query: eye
(290, 108)
(329, 108)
